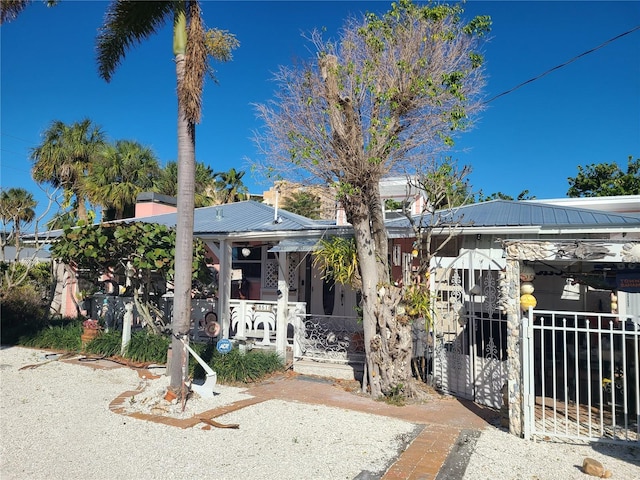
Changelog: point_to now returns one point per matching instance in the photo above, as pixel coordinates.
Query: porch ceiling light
(246, 252)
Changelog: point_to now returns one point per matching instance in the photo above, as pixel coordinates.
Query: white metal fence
(581, 376)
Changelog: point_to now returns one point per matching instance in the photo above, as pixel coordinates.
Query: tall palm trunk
(128, 23)
(184, 227)
(81, 208)
(17, 233)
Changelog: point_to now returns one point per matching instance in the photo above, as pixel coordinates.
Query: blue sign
(224, 345)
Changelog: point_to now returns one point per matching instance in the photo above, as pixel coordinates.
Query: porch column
(283, 300)
(224, 287)
(511, 294)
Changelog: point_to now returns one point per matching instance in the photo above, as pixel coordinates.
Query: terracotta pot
(88, 334)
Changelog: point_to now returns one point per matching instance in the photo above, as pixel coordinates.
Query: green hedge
(145, 347)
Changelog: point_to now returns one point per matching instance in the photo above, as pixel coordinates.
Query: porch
(324, 345)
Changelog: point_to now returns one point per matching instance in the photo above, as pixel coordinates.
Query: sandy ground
(55, 423)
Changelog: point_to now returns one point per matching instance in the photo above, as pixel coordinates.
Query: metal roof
(253, 219)
(241, 217)
(627, 204)
(26, 254)
(507, 213)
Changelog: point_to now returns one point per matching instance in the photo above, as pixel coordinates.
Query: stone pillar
(511, 294)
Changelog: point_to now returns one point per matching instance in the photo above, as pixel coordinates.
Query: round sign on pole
(224, 345)
(212, 329)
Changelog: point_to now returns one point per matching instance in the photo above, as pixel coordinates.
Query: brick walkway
(443, 418)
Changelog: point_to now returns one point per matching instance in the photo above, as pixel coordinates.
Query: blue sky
(533, 138)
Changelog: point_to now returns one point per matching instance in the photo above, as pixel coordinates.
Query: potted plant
(90, 329)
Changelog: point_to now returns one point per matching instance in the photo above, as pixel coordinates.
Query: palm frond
(10, 9)
(129, 22)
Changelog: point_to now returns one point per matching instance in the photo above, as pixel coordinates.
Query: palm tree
(125, 170)
(61, 220)
(303, 203)
(17, 208)
(65, 158)
(167, 183)
(10, 9)
(230, 187)
(130, 22)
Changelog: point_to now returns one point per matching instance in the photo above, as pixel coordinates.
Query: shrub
(107, 344)
(56, 336)
(397, 396)
(23, 312)
(148, 347)
(236, 366)
(233, 367)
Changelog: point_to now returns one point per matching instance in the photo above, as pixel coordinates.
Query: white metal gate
(581, 376)
(469, 329)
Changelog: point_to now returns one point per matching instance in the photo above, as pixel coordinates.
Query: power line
(17, 169)
(563, 64)
(11, 151)
(14, 137)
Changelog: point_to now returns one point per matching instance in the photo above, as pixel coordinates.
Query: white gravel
(500, 455)
(56, 424)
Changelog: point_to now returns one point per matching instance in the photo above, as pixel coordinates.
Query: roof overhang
(523, 230)
(296, 245)
(617, 204)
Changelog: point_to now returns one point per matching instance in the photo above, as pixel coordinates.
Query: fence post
(527, 350)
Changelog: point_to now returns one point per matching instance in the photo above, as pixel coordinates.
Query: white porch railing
(256, 320)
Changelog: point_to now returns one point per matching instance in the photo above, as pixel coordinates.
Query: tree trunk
(387, 336)
(387, 340)
(184, 240)
(81, 208)
(143, 311)
(368, 270)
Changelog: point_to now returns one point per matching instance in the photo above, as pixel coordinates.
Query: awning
(296, 245)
